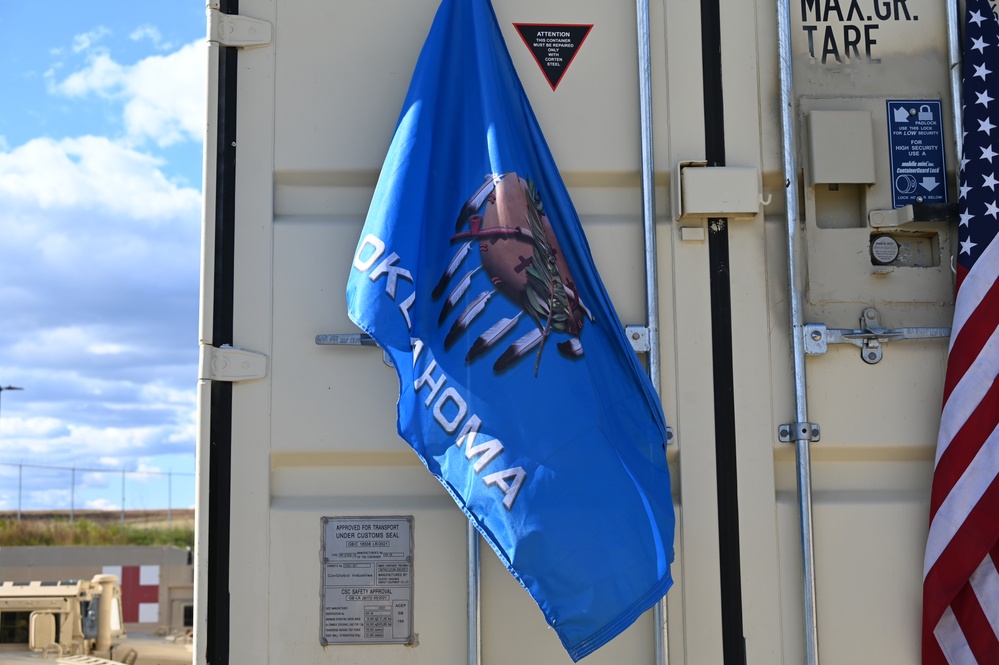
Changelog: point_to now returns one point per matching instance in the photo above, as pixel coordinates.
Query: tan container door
(854, 64)
(313, 426)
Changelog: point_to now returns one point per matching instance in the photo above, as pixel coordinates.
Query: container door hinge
(238, 31)
(228, 363)
(870, 337)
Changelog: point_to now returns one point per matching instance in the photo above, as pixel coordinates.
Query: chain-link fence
(74, 490)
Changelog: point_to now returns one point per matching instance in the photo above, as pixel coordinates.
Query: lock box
(852, 146)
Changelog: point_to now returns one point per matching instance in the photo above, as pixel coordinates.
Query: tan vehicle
(77, 621)
(78, 617)
(777, 244)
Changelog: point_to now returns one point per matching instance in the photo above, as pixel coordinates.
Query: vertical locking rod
(474, 643)
(659, 611)
(801, 443)
(954, 56)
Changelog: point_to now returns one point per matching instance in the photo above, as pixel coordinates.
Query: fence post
(72, 500)
(169, 499)
(123, 499)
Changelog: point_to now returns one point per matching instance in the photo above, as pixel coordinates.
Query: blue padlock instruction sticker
(915, 140)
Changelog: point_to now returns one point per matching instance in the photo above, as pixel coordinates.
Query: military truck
(68, 617)
(78, 621)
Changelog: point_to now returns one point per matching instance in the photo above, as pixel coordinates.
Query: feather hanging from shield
(520, 253)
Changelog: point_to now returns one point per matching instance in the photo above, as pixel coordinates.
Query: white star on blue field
(101, 132)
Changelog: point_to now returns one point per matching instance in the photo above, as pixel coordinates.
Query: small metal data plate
(884, 250)
(367, 586)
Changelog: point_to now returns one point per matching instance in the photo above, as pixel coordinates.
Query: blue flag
(518, 388)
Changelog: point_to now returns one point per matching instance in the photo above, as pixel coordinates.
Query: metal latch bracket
(345, 339)
(637, 335)
(787, 433)
(914, 212)
(351, 339)
(870, 337)
(228, 363)
(639, 338)
(238, 31)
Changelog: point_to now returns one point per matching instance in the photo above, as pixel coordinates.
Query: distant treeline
(60, 531)
(129, 517)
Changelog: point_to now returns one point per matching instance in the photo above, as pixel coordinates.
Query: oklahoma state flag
(518, 388)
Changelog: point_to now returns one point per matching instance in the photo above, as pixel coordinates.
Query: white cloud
(163, 394)
(88, 40)
(146, 31)
(50, 498)
(95, 440)
(146, 472)
(100, 254)
(66, 344)
(101, 504)
(31, 427)
(102, 75)
(151, 33)
(163, 95)
(92, 172)
(99, 292)
(106, 349)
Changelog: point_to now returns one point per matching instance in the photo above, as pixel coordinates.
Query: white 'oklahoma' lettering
(368, 242)
(488, 450)
(393, 274)
(508, 481)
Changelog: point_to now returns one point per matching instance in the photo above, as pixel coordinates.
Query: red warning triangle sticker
(553, 46)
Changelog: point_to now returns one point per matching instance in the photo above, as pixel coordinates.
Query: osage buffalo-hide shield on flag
(518, 389)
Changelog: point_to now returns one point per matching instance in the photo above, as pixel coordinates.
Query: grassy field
(141, 527)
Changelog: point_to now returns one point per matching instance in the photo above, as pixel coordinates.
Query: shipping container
(717, 146)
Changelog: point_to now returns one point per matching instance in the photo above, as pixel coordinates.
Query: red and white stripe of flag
(961, 582)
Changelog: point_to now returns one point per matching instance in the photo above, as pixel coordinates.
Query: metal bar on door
(801, 440)
(660, 612)
(474, 643)
(954, 55)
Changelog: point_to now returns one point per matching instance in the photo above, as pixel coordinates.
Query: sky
(101, 133)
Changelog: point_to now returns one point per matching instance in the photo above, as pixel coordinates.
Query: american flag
(960, 578)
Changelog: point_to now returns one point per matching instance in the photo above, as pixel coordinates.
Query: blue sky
(101, 130)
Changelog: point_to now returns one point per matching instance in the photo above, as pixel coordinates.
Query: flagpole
(660, 611)
(956, 86)
(801, 427)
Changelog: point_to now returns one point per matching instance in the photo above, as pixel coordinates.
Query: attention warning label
(367, 583)
(553, 46)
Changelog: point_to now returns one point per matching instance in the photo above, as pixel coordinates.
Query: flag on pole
(960, 579)
(518, 388)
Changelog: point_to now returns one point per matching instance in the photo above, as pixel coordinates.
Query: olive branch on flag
(545, 299)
